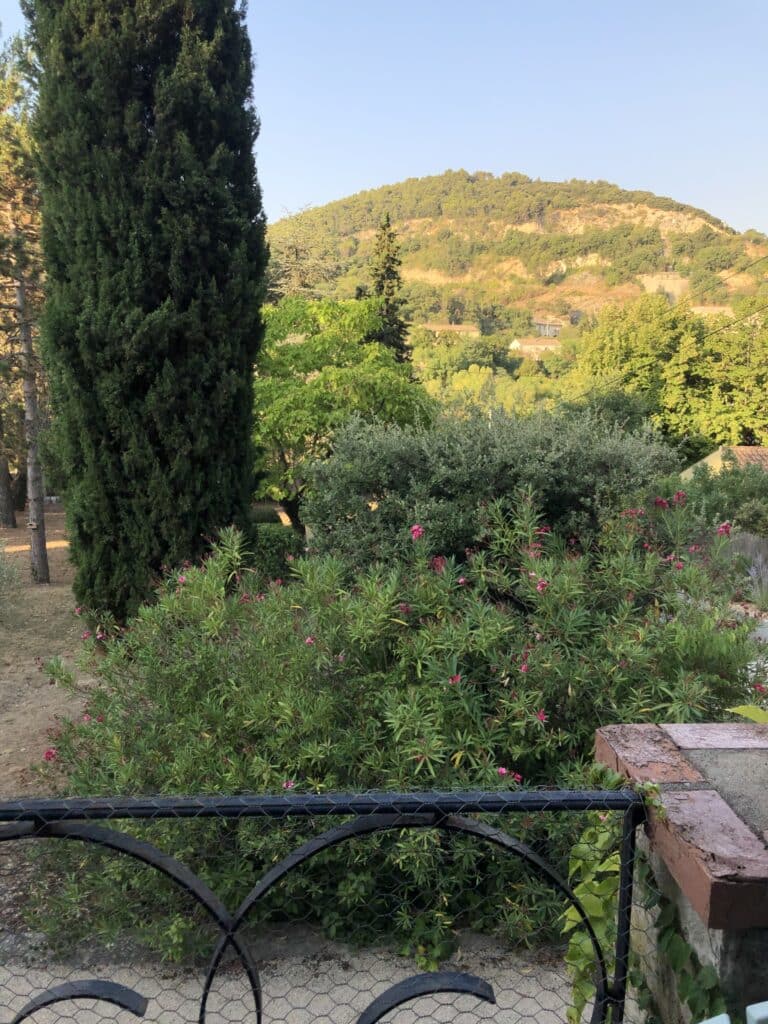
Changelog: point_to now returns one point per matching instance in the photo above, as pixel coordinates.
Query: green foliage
(316, 370)
(697, 984)
(594, 868)
(413, 674)
(704, 382)
(473, 243)
(275, 548)
(738, 494)
(154, 247)
(379, 480)
(386, 284)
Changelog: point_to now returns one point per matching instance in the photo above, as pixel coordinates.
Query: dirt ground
(37, 622)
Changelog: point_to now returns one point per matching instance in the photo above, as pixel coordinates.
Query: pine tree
(20, 285)
(386, 283)
(153, 236)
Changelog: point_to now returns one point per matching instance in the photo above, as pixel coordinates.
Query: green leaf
(750, 711)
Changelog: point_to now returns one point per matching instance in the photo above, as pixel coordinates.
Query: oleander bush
(424, 673)
(735, 493)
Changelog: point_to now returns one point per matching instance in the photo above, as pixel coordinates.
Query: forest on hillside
(470, 241)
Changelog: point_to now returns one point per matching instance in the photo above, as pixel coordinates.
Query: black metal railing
(488, 819)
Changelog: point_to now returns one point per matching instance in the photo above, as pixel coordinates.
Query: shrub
(382, 478)
(736, 493)
(417, 674)
(274, 548)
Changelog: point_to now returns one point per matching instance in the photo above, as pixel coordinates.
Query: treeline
(700, 382)
(513, 196)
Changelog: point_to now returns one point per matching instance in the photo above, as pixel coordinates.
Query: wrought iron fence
(347, 908)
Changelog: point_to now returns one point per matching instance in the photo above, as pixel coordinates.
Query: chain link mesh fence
(328, 909)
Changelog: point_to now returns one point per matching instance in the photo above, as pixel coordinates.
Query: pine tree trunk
(35, 493)
(7, 514)
(7, 508)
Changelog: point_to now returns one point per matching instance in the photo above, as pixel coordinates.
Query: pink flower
(310, 641)
(503, 771)
(694, 549)
(50, 754)
(541, 715)
(724, 530)
(79, 610)
(417, 532)
(462, 581)
(260, 597)
(661, 503)
(543, 529)
(404, 608)
(85, 635)
(289, 784)
(455, 679)
(541, 586)
(438, 563)
(245, 597)
(759, 688)
(99, 718)
(517, 777)
(86, 717)
(278, 582)
(679, 565)
(101, 635)
(678, 498)
(182, 579)
(289, 558)
(524, 667)
(341, 658)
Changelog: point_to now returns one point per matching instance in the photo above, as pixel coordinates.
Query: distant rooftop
(742, 454)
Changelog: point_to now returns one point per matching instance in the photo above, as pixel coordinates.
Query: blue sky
(670, 97)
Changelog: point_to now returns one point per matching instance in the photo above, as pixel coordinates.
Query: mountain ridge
(470, 240)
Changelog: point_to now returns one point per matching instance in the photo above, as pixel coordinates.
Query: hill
(510, 247)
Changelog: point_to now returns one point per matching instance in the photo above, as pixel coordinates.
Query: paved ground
(305, 980)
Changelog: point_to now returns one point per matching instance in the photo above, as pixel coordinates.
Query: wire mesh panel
(302, 908)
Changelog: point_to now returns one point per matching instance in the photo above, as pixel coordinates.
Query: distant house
(742, 454)
(534, 347)
(469, 330)
(548, 327)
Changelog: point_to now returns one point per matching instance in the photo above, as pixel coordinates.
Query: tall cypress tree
(153, 236)
(386, 281)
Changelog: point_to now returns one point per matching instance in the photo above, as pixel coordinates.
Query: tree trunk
(291, 506)
(7, 508)
(7, 514)
(35, 493)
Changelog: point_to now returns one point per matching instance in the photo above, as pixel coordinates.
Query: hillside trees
(154, 247)
(703, 382)
(386, 283)
(317, 369)
(20, 299)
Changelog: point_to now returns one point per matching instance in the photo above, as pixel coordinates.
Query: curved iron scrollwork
(437, 814)
(104, 991)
